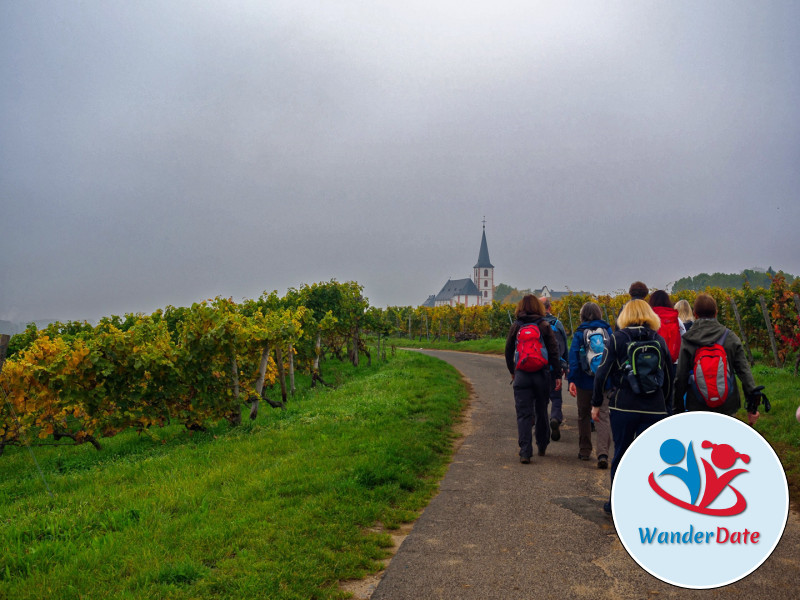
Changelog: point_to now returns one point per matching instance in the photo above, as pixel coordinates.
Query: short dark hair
(638, 290)
(531, 305)
(590, 312)
(660, 298)
(705, 307)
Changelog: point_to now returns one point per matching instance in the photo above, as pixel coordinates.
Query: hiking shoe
(541, 451)
(555, 434)
(525, 460)
(602, 462)
(582, 457)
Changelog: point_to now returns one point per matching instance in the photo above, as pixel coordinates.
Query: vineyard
(218, 359)
(767, 320)
(194, 366)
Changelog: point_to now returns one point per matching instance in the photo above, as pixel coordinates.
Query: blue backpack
(593, 349)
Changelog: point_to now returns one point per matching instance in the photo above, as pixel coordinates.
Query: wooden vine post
(741, 331)
(796, 305)
(770, 331)
(4, 339)
(281, 370)
(569, 311)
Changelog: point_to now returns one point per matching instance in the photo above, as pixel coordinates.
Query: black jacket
(623, 397)
(549, 342)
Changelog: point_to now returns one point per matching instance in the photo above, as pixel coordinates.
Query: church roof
(483, 255)
(456, 287)
(430, 302)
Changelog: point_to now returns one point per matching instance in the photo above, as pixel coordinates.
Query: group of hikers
(656, 361)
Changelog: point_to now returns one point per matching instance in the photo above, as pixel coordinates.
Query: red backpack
(669, 330)
(711, 376)
(530, 353)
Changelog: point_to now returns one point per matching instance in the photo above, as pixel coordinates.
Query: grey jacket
(705, 332)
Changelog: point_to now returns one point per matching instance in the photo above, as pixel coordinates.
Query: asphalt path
(501, 529)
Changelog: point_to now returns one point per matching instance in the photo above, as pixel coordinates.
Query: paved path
(500, 529)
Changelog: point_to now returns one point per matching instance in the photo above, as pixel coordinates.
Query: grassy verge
(277, 508)
(779, 426)
(483, 345)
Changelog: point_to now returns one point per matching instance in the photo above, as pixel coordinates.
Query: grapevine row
(194, 365)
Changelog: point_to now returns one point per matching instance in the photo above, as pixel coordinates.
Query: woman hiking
(638, 364)
(585, 355)
(672, 328)
(533, 361)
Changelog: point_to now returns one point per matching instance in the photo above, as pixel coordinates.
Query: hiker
(533, 361)
(637, 291)
(637, 363)
(713, 393)
(556, 401)
(585, 356)
(685, 313)
(671, 327)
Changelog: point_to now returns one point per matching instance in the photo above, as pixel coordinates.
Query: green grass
(779, 426)
(483, 345)
(277, 508)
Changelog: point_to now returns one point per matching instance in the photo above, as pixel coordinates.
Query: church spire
(483, 255)
(484, 272)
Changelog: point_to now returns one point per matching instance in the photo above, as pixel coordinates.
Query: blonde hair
(684, 310)
(638, 312)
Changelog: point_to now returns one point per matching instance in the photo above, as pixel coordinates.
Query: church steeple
(484, 271)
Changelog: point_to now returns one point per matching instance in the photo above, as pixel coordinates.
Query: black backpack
(643, 369)
(559, 335)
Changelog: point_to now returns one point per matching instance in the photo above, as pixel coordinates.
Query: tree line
(751, 277)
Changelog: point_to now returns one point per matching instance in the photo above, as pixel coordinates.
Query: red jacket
(670, 330)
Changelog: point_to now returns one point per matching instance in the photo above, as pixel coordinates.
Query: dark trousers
(625, 426)
(531, 396)
(556, 402)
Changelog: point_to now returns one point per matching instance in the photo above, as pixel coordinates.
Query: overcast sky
(156, 153)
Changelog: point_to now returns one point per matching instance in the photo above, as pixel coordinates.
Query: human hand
(595, 413)
(753, 417)
(573, 390)
(558, 385)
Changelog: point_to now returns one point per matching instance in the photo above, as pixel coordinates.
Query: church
(470, 292)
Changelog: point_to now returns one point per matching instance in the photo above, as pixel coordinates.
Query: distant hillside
(12, 328)
(756, 278)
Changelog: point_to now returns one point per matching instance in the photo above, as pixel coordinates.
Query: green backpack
(643, 368)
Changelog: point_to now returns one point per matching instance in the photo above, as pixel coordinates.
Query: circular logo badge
(700, 500)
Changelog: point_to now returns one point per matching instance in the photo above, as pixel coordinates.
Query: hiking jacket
(561, 336)
(576, 374)
(706, 332)
(549, 342)
(623, 398)
(671, 329)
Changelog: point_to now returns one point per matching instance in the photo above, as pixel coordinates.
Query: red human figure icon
(724, 457)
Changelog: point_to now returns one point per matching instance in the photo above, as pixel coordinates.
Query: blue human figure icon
(672, 452)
